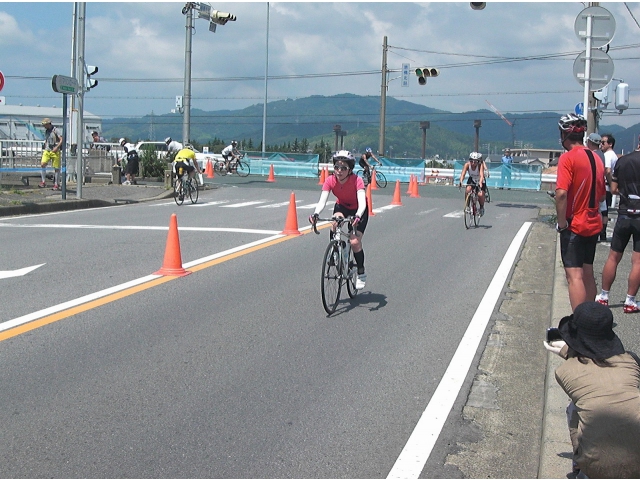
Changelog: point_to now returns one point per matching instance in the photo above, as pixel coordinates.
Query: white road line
(108, 291)
(416, 452)
(244, 204)
(142, 227)
(274, 205)
(456, 214)
(210, 204)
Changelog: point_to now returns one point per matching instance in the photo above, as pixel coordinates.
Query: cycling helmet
(475, 156)
(167, 140)
(572, 123)
(234, 143)
(346, 157)
(368, 150)
(122, 141)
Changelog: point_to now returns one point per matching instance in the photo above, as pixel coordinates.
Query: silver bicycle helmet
(475, 156)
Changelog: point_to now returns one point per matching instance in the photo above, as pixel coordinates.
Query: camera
(553, 334)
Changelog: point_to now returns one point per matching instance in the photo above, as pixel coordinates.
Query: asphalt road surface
(235, 370)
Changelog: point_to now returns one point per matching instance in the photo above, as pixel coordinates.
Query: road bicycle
(338, 264)
(237, 166)
(381, 180)
(471, 212)
(185, 186)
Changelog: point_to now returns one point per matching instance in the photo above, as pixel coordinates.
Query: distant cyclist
(173, 145)
(185, 161)
(475, 168)
(351, 201)
(366, 166)
(230, 152)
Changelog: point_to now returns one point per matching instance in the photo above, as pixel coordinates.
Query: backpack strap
(592, 195)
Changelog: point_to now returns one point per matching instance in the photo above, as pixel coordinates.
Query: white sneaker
(361, 281)
(127, 182)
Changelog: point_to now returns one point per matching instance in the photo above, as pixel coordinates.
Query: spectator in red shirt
(579, 191)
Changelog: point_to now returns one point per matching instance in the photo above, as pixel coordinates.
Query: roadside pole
(65, 86)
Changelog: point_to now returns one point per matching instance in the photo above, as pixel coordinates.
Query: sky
(518, 56)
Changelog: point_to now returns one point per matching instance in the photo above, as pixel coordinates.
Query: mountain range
(450, 135)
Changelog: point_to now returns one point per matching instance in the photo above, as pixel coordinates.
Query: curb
(76, 204)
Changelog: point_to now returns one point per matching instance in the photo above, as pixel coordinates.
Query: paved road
(494, 428)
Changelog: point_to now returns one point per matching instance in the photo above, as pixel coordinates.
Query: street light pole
(186, 116)
(383, 97)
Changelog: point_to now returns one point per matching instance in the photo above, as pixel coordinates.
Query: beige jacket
(605, 432)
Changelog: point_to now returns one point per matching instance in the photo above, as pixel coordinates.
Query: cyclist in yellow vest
(185, 161)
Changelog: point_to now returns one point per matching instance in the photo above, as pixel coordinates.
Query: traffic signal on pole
(222, 18)
(426, 72)
(478, 5)
(91, 82)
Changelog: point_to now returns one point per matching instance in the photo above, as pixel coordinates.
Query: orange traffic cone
(370, 201)
(408, 192)
(414, 191)
(172, 264)
(271, 177)
(396, 195)
(291, 225)
(374, 184)
(323, 176)
(209, 170)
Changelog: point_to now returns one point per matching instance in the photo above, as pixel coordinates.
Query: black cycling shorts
(576, 250)
(626, 227)
(347, 212)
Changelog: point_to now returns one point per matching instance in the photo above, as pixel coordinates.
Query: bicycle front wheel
(242, 169)
(381, 180)
(331, 283)
(476, 211)
(351, 275)
(487, 195)
(193, 190)
(178, 193)
(468, 211)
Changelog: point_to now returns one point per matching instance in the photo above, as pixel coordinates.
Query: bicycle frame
(338, 265)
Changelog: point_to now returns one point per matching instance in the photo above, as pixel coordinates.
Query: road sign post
(66, 86)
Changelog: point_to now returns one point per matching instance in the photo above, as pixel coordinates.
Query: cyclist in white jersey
(475, 168)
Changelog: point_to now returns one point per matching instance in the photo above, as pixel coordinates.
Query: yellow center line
(41, 322)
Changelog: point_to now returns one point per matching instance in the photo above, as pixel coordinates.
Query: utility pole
(383, 97)
(424, 126)
(82, 9)
(186, 116)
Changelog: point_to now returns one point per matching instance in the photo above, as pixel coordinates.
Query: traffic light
(426, 72)
(622, 97)
(222, 18)
(91, 82)
(478, 5)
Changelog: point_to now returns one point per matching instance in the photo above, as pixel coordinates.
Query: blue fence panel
(516, 176)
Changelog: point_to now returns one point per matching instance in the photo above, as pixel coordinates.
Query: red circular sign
(1, 81)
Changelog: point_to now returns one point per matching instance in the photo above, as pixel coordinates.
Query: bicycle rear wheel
(220, 168)
(468, 211)
(351, 275)
(178, 193)
(330, 282)
(381, 180)
(193, 190)
(242, 169)
(476, 211)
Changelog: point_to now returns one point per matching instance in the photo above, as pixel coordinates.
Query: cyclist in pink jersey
(351, 200)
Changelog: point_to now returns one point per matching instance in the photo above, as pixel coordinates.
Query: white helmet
(122, 141)
(167, 140)
(475, 156)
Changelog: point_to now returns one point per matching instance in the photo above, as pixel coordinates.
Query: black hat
(589, 331)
